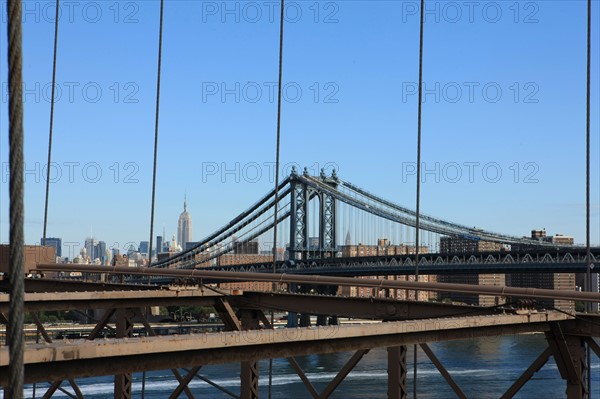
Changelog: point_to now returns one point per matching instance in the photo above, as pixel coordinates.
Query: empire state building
(184, 227)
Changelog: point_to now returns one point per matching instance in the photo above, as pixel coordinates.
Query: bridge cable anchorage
(52, 96)
(156, 117)
(15, 333)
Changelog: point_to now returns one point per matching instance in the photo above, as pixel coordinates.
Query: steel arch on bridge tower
(300, 247)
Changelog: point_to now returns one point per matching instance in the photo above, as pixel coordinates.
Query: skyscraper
(144, 247)
(53, 242)
(159, 245)
(184, 227)
(95, 249)
(101, 251)
(91, 248)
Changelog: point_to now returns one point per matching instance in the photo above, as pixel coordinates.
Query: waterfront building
(385, 248)
(459, 246)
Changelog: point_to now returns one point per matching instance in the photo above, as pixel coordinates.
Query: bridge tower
(302, 193)
(301, 246)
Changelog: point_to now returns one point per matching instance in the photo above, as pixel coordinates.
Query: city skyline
(503, 114)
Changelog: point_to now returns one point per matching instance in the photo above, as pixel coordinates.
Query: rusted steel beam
(593, 345)
(56, 385)
(40, 327)
(110, 356)
(436, 362)
(62, 285)
(52, 389)
(183, 383)
(249, 368)
(215, 385)
(123, 381)
(570, 354)
(249, 380)
(114, 299)
(362, 308)
(137, 312)
(266, 322)
(328, 280)
(350, 364)
(397, 372)
(102, 323)
(78, 393)
(309, 386)
(227, 314)
(586, 325)
(562, 353)
(537, 364)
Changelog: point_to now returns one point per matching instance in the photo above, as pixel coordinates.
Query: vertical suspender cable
(52, 96)
(587, 154)
(160, 31)
(587, 186)
(418, 199)
(277, 145)
(15, 133)
(51, 122)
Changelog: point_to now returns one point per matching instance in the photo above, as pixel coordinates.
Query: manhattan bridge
(299, 226)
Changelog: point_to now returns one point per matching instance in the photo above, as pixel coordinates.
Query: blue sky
(505, 93)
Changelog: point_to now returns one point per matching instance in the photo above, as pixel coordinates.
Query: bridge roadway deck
(45, 301)
(81, 358)
(354, 307)
(570, 260)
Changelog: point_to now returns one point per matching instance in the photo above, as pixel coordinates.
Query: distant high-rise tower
(144, 247)
(348, 238)
(159, 244)
(184, 227)
(53, 242)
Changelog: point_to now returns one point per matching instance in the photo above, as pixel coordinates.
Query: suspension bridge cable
(160, 31)
(277, 148)
(52, 96)
(278, 137)
(15, 132)
(221, 234)
(587, 152)
(418, 196)
(588, 279)
(159, 62)
(51, 121)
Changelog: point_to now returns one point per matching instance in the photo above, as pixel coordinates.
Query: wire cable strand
(160, 33)
(52, 96)
(418, 195)
(16, 192)
(588, 258)
(159, 62)
(277, 152)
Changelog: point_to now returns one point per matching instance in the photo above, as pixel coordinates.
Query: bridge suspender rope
(418, 200)
(52, 96)
(587, 152)
(157, 112)
(588, 258)
(51, 121)
(15, 333)
(160, 30)
(277, 146)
